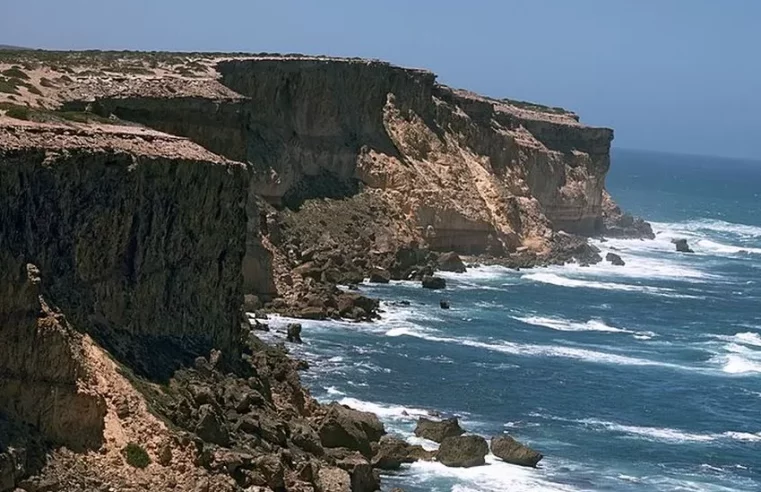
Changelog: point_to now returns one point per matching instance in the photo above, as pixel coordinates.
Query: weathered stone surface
(463, 451)
(615, 259)
(508, 449)
(379, 276)
(451, 262)
(438, 430)
(293, 332)
(141, 249)
(334, 479)
(682, 246)
(391, 452)
(344, 427)
(430, 282)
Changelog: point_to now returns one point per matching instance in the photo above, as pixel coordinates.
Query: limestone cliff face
(472, 173)
(457, 171)
(42, 373)
(139, 237)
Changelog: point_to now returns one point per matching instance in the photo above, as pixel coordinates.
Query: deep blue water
(643, 377)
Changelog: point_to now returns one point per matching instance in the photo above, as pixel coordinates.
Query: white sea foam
(743, 230)
(749, 338)
(664, 434)
(559, 280)
(513, 348)
(565, 325)
(737, 364)
(385, 412)
(333, 391)
(496, 476)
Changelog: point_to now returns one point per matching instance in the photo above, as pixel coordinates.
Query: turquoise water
(643, 377)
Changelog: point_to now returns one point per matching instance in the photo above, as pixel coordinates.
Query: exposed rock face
(343, 427)
(431, 282)
(438, 430)
(682, 246)
(511, 451)
(141, 249)
(42, 370)
(391, 452)
(451, 262)
(463, 451)
(617, 223)
(615, 259)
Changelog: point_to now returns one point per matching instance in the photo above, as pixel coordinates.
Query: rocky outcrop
(619, 224)
(392, 452)
(511, 451)
(451, 262)
(615, 259)
(463, 451)
(438, 430)
(43, 376)
(435, 283)
(343, 427)
(138, 236)
(682, 246)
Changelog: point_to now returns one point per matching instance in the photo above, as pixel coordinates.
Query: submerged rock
(294, 333)
(463, 451)
(380, 276)
(431, 282)
(615, 259)
(511, 451)
(438, 430)
(444, 304)
(682, 246)
(451, 262)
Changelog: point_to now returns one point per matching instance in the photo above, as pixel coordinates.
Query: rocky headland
(149, 201)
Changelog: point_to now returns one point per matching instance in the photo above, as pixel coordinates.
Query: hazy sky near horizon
(668, 75)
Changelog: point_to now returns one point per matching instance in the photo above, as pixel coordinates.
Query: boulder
(451, 262)
(511, 451)
(334, 479)
(615, 259)
(380, 276)
(209, 426)
(293, 333)
(438, 430)
(431, 282)
(444, 304)
(251, 303)
(463, 451)
(682, 246)
(360, 472)
(352, 305)
(344, 427)
(310, 312)
(391, 452)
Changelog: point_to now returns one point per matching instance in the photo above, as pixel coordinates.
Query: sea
(637, 378)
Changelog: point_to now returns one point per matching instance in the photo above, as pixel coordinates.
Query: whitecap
(714, 225)
(566, 325)
(384, 411)
(749, 338)
(520, 349)
(496, 476)
(554, 279)
(665, 434)
(650, 433)
(737, 364)
(332, 390)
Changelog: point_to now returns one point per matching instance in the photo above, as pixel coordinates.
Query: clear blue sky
(669, 75)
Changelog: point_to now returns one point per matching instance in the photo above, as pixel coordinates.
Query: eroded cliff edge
(143, 195)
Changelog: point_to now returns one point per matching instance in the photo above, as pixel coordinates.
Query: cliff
(142, 195)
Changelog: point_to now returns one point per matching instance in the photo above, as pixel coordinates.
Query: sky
(668, 75)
